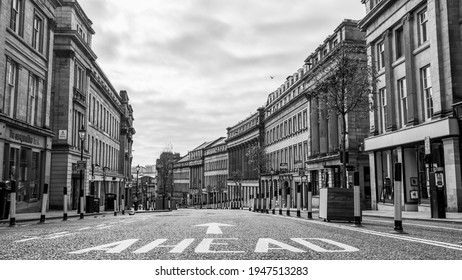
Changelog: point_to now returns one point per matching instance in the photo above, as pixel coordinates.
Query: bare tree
(164, 166)
(344, 86)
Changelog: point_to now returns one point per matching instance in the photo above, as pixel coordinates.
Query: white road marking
(110, 248)
(263, 246)
(178, 248)
(419, 225)
(206, 243)
(27, 239)
(214, 228)
(85, 228)
(102, 227)
(344, 247)
(389, 235)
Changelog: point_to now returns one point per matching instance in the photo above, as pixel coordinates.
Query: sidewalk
(423, 215)
(56, 215)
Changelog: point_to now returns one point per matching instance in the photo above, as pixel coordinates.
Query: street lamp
(82, 135)
(136, 190)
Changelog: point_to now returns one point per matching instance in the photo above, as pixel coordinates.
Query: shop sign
(283, 166)
(25, 138)
(427, 146)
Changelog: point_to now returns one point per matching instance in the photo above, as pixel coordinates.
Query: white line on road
(412, 224)
(102, 227)
(27, 239)
(85, 228)
(389, 235)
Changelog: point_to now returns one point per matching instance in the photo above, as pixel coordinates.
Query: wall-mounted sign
(283, 166)
(62, 134)
(22, 137)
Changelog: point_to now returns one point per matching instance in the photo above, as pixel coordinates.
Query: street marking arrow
(214, 228)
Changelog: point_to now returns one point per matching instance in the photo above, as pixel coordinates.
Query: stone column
(452, 176)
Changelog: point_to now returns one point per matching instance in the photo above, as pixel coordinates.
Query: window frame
(422, 26)
(403, 104)
(427, 91)
(37, 33)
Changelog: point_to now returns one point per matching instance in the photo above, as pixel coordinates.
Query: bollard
(115, 208)
(65, 204)
(81, 204)
(44, 204)
(280, 201)
(169, 205)
(310, 202)
(274, 201)
(13, 204)
(357, 199)
(397, 199)
(299, 201)
(288, 203)
(123, 205)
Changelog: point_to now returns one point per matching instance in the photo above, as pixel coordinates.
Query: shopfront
(24, 161)
(423, 168)
(430, 161)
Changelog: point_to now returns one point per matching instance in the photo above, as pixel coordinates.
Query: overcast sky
(192, 68)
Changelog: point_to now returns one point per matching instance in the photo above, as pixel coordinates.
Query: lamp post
(272, 192)
(82, 135)
(136, 190)
(104, 185)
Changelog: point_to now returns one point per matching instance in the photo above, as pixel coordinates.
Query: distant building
(181, 182)
(216, 172)
(243, 179)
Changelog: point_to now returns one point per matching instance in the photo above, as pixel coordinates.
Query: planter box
(336, 204)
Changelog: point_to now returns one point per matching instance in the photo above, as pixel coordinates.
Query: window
(37, 34)
(427, 91)
(17, 8)
(380, 55)
(31, 102)
(383, 109)
(402, 93)
(399, 42)
(11, 87)
(423, 20)
(79, 78)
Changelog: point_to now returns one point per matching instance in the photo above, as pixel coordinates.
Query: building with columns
(415, 47)
(216, 172)
(26, 59)
(243, 179)
(302, 140)
(196, 175)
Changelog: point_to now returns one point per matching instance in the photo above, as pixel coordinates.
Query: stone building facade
(243, 179)
(415, 47)
(216, 172)
(301, 139)
(26, 57)
(84, 99)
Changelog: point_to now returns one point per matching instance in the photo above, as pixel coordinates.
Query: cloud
(194, 67)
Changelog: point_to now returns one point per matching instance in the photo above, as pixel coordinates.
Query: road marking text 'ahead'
(218, 245)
